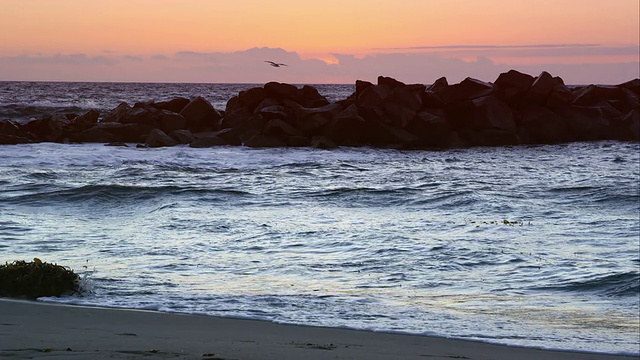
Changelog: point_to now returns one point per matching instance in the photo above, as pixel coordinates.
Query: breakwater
(515, 109)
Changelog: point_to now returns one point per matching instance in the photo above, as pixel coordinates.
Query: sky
(329, 41)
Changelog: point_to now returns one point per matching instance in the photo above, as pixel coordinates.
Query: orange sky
(314, 29)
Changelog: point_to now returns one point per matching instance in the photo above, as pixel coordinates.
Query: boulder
(468, 89)
(261, 140)
(250, 98)
(281, 91)
(158, 138)
(96, 135)
(182, 136)
(174, 105)
(389, 83)
(347, 127)
(308, 96)
(431, 129)
(512, 85)
(280, 128)
(540, 89)
(6, 139)
(586, 123)
(540, 125)
(200, 115)
(207, 141)
(310, 120)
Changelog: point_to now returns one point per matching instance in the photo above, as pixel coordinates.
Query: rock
(8, 127)
(250, 98)
(85, 121)
(281, 91)
(280, 128)
(322, 142)
(468, 89)
(389, 83)
(116, 114)
(542, 126)
(540, 89)
(158, 138)
(96, 135)
(432, 129)
(261, 140)
(201, 115)
(207, 141)
(491, 113)
(169, 122)
(586, 123)
(6, 139)
(439, 84)
(512, 85)
(361, 85)
(347, 127)
(129, 133)
(311, 120)
(308, 96)
(175, 105)
(182, 136)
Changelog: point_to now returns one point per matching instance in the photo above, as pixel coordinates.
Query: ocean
(530, 245)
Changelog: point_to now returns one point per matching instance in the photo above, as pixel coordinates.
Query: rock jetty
(515, 109)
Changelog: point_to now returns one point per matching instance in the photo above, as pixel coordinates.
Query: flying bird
(275, 64)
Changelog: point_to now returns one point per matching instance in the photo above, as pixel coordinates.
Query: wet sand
(34, 330)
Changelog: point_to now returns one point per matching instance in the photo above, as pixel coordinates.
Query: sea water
(529, 245)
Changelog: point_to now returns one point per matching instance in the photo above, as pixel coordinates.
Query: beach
(34, 330)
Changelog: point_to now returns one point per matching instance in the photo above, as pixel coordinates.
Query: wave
(117, 193)
(614, 285)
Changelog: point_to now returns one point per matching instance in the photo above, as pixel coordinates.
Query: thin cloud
(488, 47)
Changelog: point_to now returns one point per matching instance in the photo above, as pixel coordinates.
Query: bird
(275, 64)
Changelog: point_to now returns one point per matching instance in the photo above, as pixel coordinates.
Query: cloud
(248, 66)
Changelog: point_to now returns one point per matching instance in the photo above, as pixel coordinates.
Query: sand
(34, 330)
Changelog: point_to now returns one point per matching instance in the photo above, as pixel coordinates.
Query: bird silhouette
(275, 64)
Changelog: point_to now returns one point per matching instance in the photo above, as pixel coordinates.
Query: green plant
(35, 279)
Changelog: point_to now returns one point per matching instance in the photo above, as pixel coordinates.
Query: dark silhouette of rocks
(516, 109)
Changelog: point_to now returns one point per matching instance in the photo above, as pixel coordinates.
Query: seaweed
(36, 279)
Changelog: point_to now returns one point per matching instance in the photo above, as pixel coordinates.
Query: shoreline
(31, 329)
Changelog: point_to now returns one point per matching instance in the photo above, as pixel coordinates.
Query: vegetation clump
(36, 279)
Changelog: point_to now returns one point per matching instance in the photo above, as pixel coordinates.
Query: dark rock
(439, 84)
(430, 128)
(347, 127)
(542, 126)
(361, 85)
(261, 140)
(96, 135)
(12, 139)
(207, 141)
(182, 136)
(512, 85)
(322, 142)
(281, 91)
(175, 105)
(250, 98)
(200, 115)
(116, 114)
(540, 89)
(8, 127)
(280, 128)
(158, 138)
(468, 89)
(308, 96)
(586, 123)
(298, 141)
(389, 83)
(85, 121)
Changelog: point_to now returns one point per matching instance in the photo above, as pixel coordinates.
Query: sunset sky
(329, 41)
